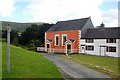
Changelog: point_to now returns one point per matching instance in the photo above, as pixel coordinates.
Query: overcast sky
(52, 11)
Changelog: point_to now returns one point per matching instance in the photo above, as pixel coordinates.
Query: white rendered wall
(118, 47)
(102, 42)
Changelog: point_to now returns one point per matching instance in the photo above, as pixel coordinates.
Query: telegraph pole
(8, 48)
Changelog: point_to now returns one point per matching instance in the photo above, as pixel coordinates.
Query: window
(89, 40)
(64, 38)
(110, 49)
(56, 40)
(111, 40)
(91, 48)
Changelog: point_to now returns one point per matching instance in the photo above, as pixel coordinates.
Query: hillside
(17, 26)
(27, 64)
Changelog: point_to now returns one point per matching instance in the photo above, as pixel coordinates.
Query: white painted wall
(84, 43)
(118, 47)
(102, 42)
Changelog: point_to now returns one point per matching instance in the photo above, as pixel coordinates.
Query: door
(82, 49)
(102, 51)
(48, 47)
(68, 48)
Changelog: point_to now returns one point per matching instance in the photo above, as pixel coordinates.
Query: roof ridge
(105, 28)
(75, 24)
(74, 19)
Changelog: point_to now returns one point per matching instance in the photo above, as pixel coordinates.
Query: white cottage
(101, 41)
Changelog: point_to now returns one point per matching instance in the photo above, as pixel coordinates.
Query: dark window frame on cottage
(110, 49)
(111, 40)
(89, 40)
(89, 48)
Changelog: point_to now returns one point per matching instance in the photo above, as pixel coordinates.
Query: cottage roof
(103, 33)
(76, 24)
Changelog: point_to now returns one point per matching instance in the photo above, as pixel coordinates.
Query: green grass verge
(27, 64)
(110, 65)
(0, 60)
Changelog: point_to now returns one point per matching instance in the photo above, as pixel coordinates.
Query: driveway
(72, 69)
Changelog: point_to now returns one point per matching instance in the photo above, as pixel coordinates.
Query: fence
(53, 50)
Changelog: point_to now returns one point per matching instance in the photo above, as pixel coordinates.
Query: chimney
(102, 25)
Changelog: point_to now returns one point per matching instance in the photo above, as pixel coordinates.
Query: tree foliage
(34, 35)
(13, 36)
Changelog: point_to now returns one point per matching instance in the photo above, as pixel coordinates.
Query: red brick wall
(70, 35)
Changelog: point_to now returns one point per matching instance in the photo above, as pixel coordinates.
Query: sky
(51, 11)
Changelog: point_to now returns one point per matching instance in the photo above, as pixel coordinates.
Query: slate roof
(76, 24)
(103, 33)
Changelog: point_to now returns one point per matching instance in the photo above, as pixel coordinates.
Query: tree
(34, 35)
(15, 41)
(13, 36)
(4, 35)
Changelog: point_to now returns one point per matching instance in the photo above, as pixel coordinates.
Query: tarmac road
(72, 69)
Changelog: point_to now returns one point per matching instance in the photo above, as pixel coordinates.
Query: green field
(27, 64)
(92, 61)
(0, 59)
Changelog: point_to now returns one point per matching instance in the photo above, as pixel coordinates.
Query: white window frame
(55, 39)
(62, 38)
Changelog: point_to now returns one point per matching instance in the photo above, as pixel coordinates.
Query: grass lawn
(103, 62)
(27, 64)
(0, 59)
